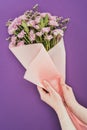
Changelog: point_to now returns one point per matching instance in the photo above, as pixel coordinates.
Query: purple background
(20, 105)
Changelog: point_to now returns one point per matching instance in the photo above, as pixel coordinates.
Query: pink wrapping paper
(40, 64)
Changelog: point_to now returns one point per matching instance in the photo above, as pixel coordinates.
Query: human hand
(50, 96)
(72, 103)
(68, 94)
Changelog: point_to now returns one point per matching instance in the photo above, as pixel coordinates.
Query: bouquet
(35, 27)
(36, 39)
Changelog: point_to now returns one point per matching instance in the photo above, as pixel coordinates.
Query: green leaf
(46, 20)
(41, 23)
(24, 24)
(37, 39)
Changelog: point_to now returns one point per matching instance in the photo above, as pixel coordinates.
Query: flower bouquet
(32, 31)
(36, 39)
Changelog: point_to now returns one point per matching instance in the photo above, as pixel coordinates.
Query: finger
(45, 90)
(43, 94)
(42, 90)
(69, 88)
(62, 81)
(62, 84)
(48, 86)
(66, 88)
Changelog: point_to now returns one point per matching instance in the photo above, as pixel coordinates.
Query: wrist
(59, 107)
(73, 105)
(64, 118)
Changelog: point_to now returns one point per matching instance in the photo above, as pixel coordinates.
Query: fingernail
(44, 81)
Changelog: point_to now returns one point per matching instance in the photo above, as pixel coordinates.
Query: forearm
(65, 121)
(80, 112)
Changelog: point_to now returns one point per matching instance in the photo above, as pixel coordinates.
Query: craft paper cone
(58, 56)
(29, 56)
(26, 53)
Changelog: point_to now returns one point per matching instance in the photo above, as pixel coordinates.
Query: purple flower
(39, 34)
(53, 18)
(18, 21)
(13, 26)
(11, 45)
(32, 36)
(48, 37)
(21, 34)
(21, 43)
(45, 29)
(31, 23)
(13, 39)
(58, 31)
(11, 30)
(23, 17)
(53, 23)
(37, 20)
(36, 27)
(44, 14)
